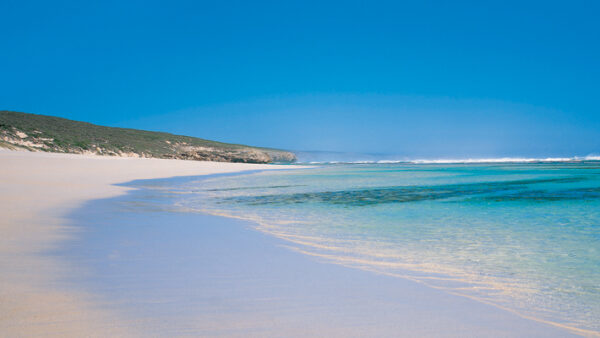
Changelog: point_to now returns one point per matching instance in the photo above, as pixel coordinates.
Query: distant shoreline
(58, 135)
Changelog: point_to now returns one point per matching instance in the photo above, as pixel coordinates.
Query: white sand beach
(247, 284)
(36, 190)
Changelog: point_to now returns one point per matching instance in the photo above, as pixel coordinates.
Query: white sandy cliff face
(36, 190)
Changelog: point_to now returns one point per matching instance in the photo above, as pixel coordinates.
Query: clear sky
(419, 79)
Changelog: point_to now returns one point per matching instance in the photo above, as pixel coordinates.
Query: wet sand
(180, 273)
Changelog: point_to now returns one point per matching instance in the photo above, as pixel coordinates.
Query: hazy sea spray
(522, 236)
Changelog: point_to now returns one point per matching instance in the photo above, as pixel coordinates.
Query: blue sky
(418, 79)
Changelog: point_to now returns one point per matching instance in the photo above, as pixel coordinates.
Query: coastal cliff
(53, 134)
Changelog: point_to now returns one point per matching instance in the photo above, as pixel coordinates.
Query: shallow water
(525, 237)
(163, 271)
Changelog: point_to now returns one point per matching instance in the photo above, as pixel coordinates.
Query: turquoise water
(525, 237)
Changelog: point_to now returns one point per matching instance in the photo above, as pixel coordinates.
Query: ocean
(524, 237)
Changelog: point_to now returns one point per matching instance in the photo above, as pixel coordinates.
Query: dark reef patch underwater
(491, 191)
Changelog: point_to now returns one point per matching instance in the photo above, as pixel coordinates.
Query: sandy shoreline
(36, 191)
(290, 294)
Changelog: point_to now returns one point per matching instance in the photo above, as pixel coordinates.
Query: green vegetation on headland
(54, 134)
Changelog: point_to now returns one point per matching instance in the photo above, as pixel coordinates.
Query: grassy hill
(54, 134)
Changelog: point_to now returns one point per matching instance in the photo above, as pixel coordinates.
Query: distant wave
(470, 160)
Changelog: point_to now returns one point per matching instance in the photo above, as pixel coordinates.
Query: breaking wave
(468, 160)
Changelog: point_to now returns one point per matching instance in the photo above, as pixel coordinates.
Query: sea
(520, 235)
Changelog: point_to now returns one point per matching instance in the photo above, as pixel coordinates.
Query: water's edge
(139, 191)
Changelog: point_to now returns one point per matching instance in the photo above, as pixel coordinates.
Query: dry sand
(36, 191)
